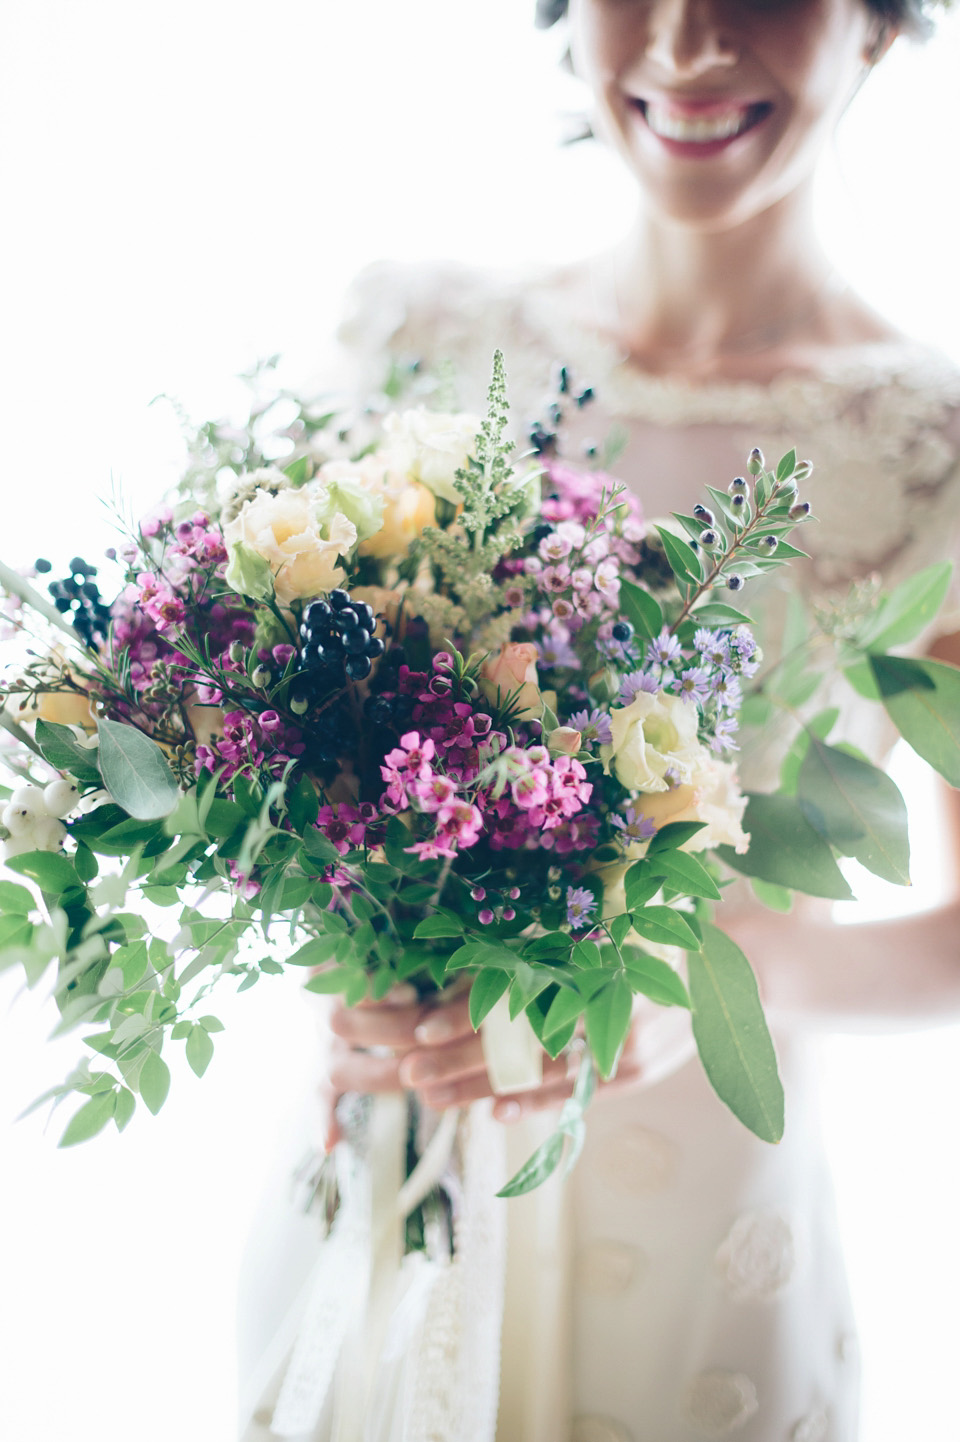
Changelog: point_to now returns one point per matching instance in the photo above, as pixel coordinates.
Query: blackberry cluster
(78, 598)
(338, 645)
(336, 732)
(385, 706)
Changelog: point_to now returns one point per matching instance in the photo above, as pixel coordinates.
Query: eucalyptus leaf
(786, 850)
(857, 808)
(62, 749)
(135, 771)
(922, 699)
(732, 1036)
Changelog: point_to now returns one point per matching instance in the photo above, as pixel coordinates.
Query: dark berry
(347, 619)
(42, 566)
(356, 640)
(585, 396)
(62, 605)
(705, 515)
(338, 599)
(622, 632)
(315, 612)
(358, 668)
(374, 648)
(79, 567)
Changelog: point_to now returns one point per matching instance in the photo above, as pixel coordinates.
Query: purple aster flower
(694, 684)
(580, 903)
(555, 650)
(723, 734)
(664, 649)
(726, 691)
(633, 826)
(594, 727)
(637, 681)
(745, 647)
(714, 647)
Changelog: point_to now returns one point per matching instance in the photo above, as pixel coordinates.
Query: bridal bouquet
(413, 712)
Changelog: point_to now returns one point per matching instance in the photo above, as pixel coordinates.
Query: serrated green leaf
(732, 1036)
(135, 771)
(154, 1081)
(786, 850)
(608, 1021)
(857, 808)
(487, 989)
(90, 1119)
(199, 1050)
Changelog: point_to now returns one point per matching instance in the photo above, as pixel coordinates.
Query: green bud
(261, 676)
(237, 652)
(755, 462)
(604, 685)
(803, 471)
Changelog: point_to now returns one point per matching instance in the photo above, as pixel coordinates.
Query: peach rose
(513, 670)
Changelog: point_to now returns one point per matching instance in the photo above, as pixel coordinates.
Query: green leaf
(673, 835)
(567, 1006)
(718, 613)
(857, 809)
(821, 726)
(15, 932)
(641, 884)
(527, 984)
(312, 953)
(135, 771)
(440, 924)
(249, 573)
(535, 1172)
(685, 873)
(665, 926)
(52, 872)
(655, 979)
(786, 850)
(154, 1081)
(86, 863)
(641, 609)
(62, 749)
(732, 1037)
(786, 465)
(487, 989)
(90, 1119)
(777, 898)
(682, 559)
(298, 471)
(907, 610)
(922, 699)
(199, 1051)
(125, 1107)
(335, 979)
(608, 1021)
(16, 898)
(303, 804)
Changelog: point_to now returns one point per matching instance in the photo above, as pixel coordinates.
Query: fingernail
(440, 1099)
(507, 1111)
(414, 1071)
(401, 994)
(434, 1029)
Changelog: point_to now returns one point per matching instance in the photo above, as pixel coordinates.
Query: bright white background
(187, 186)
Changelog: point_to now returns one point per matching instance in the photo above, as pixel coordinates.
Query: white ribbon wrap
(513, 1055)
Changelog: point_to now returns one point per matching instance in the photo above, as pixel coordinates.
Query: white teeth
(698, 129)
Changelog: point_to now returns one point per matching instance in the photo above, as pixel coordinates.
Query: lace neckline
(598, 361)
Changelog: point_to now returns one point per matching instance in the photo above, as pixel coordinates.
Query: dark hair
(913, 17)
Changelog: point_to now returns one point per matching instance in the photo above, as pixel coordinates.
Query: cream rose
(713, 796)
(301, 537)
(431, 446)
(514, 669)
(651, 736)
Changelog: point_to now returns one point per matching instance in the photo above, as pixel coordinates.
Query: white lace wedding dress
(687, 1282)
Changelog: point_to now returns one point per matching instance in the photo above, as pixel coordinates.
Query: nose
(686, 38)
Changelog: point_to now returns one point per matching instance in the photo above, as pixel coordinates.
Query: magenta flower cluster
(250, 742)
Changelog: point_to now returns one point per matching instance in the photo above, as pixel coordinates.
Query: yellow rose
(712, 796)
(61, 708)
(406, 511)
(514, 669)
(296, 534)
(651, 736)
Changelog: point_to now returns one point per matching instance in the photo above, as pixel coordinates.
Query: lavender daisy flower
(745, 647)
(594, 727)
(633, 826)
(555, 650)
(726, 691)
(637, 681)
(580, 903)
(723, 734)
(714, 647)
(664, 649)
(693, 684)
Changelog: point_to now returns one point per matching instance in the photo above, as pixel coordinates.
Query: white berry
(16, 846)
(48, 834)
(19, 820)
(29, 798)
(60, 797)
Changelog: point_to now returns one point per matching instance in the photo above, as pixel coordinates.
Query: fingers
(439, 1065)
(461, 1090)
(445, 1023)
(377, 1024)
(357, 1071)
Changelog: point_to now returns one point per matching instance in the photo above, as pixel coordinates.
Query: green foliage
(857, 809)
(785, 850)
(923, 701)
(135, 771)
(732, 1037)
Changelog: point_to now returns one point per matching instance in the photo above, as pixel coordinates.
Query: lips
(700, 127)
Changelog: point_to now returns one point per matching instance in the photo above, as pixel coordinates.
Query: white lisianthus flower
(403, 505)
(712, 795)
(300, 535)
(431, 446)
(651, 736)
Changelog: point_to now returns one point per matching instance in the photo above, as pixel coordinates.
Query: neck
(681, 295)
